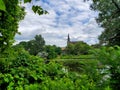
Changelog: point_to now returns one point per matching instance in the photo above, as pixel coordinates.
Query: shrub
(109, 57)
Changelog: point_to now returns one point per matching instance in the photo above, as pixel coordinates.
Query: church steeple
(68, 39)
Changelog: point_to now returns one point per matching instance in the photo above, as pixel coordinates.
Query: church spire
(68, 39)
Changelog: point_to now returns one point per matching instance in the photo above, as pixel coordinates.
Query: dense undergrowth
(21, 71)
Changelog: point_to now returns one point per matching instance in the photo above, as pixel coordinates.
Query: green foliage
(96, 46)
(21, 71)
(9, 19)
(65, 84)
(36, 9)
(34, 46)
(2, 6)
(78, 48)
(70, 49)
(39, 10)
(9, 23)
(80, 65)
(84, 57)
(37, 47)
(53, 51)
(109, 12)
(90, 66)
(26, 1)
(110, 59)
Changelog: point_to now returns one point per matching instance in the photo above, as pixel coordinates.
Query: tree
(81, 48)
(70, 49)
(57, 49)
(36, 9)
(9, 19)
(108, 18)
(9, 23)
(34, 46)
(53, 51)
(78, 48)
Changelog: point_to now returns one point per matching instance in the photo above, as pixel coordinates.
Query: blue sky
(65, 16)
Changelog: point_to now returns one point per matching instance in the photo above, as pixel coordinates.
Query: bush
(109, 57)
(78, 48)
(22, 71)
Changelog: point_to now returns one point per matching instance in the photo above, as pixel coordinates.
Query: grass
(76, 57)
(77, 63)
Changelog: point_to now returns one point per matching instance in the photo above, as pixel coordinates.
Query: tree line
(37, 46)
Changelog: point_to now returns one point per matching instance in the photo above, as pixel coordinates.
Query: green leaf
(34, 8)
(2, 6)
(26, 1)
(39, 10)
(6, 79)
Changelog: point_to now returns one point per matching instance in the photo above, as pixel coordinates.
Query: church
(71, 42)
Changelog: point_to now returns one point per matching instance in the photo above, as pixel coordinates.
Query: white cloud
(65, 16)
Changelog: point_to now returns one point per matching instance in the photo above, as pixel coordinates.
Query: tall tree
(109, 19)
(10, 15)
(34, 46)
(9, 22)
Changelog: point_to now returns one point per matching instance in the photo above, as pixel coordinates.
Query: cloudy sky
(65, 16)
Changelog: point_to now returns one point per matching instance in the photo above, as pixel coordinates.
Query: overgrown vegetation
(21, 68)
(103, 68)
(110, 58)
(77, 48)
(33, 46)
(37, 47)
(108, 18)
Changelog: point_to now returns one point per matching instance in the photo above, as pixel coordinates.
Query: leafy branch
(36, 9)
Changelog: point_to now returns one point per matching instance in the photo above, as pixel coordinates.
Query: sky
(72, 17)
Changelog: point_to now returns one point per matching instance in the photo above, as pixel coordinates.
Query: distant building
(71, 42)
